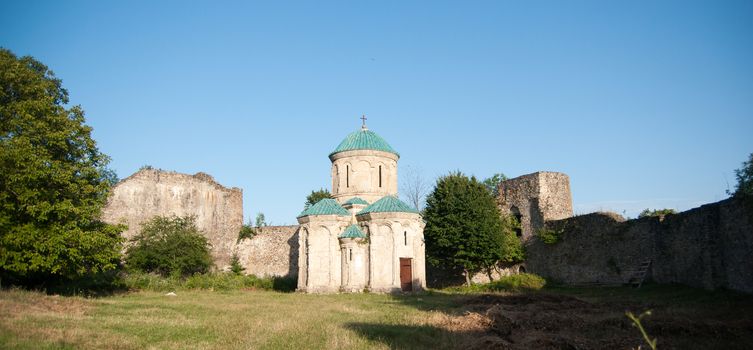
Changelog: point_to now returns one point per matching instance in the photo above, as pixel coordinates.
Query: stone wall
(708, 247)
(535, 199)
(273, 251)
(149, 193)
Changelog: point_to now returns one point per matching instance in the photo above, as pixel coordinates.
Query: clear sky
(642, 103)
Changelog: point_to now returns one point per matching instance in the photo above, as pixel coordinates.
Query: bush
(247, 231)
(513, 283)
(235, 265)
(208, 281)
(549, 236)
(655, 212)
(169, 247)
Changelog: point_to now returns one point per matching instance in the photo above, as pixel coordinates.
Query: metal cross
(363, 118)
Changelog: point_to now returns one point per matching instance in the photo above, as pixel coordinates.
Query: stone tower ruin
(535, 199)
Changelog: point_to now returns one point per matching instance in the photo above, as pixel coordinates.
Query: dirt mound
(549, 321)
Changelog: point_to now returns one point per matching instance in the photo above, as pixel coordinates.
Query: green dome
(326, 206)
(356, 200)
(364, 139)
(353, 231)
(388, 204)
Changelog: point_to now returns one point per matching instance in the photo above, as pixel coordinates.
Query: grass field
(559, 317)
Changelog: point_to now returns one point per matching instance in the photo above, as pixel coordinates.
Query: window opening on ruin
(405, 237)
(347, 176)
(519, 221)
(380, 176)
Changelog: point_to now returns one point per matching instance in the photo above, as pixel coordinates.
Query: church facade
(365, 238)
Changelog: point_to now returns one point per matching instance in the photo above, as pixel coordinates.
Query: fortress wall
(707, 247)
(273, 251)
(149, 192)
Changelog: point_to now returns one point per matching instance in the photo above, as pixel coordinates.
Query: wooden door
(406, 275)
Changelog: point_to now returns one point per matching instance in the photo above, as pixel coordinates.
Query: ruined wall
(708, 247)
(536, 198)
(150, 192)
(273, 251)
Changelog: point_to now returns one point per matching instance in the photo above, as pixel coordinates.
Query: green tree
(463, 225)
(261, 221)
(235, 265)
(492, 183)
(169, 246)
(315, 197)
(656, 212)
(512, 249)
(745, 179)
(53, 181)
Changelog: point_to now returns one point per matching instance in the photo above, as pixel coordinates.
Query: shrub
(235, 265)
(549, 235)
(656, 212)
(206, 281)
(247, 231)
(513, 283)
(169, 246)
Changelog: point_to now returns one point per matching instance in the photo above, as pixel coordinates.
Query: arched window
(405, 237)
(350, 254)
(347, 176)
(380, 176)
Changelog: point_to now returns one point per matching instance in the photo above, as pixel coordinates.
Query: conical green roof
(356, 200)
(364, 139)
(326, 206)
(353, 231)
(388, 204)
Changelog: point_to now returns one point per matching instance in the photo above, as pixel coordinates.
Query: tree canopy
(492, 183)
(745, 179)
(464, 228)
(54, 180)
(316, 196)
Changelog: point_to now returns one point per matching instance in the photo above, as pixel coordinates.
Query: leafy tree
(260, 220)
(745, 179)
(655, 212)
(169, 246)
(315, 197)
(463, 225)
(512, 249)
(492, 183)
(53, 181)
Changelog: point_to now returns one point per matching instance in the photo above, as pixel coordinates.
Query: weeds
(209, 281)
(637, 323)
(513, 283)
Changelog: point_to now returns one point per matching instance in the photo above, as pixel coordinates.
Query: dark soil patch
(554, 321)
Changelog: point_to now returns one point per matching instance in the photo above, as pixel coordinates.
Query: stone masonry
(149, 193)
(706, 247)
(272, 252)
(535, 199)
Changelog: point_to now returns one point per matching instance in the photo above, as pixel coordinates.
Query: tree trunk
(467, 277)
(489, 273)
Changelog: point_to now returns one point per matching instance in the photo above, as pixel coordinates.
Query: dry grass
(211, 320)
(560, 318)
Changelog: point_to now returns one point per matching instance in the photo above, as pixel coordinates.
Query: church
(364, 238)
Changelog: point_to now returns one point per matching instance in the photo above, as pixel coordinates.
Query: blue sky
(642, 103)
